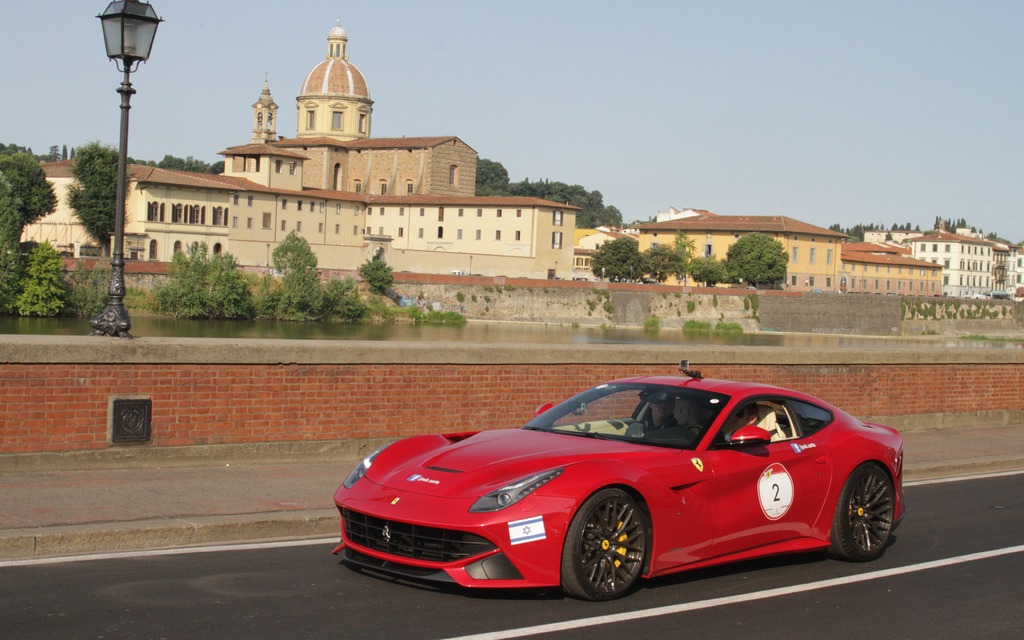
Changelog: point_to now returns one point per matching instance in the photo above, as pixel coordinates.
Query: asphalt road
(955, 570)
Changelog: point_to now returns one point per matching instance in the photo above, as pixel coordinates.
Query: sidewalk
(56, 513)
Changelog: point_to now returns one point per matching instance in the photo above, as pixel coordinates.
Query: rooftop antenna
(684, 366)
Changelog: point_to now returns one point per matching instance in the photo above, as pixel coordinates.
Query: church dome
(335, 76)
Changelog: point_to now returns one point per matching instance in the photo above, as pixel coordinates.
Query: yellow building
(869, 267)
(352, 197)
(813, 251)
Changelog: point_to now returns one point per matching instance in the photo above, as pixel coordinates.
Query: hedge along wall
(57, 392)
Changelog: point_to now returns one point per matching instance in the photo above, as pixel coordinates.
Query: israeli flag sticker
(527, 530)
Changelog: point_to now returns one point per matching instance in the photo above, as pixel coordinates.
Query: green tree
(378, 275)
(93, 194)
(618, 259)
(11, 270)
(342, 300)
(757, 258)
(302, 296)
(32, 192)
(661, 262)
(201, 287)
(87, 291)
(491, 178)
(686, 248)
(10, 222)
(42, 290)
(709, 271)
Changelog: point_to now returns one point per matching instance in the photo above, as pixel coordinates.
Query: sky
(884, 112)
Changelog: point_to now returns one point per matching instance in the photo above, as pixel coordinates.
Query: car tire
(605, 547)
(864, 516)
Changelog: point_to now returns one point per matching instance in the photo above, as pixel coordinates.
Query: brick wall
(54, 399)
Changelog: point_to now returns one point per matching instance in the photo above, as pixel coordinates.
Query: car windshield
(664, 415)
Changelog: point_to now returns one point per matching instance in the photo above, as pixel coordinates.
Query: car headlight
(514, 492)
(361, 469)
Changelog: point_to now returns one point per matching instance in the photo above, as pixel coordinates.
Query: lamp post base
(114, 322)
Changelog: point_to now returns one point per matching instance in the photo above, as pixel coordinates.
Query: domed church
(334, 116)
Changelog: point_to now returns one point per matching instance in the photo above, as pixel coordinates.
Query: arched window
(358, 186)
(336, 180)
(152, 249)
(217, 249)
(177, 213)
(177, 246)
(161, 212)
(383, 187)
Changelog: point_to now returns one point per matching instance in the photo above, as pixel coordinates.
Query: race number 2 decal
(775, 491)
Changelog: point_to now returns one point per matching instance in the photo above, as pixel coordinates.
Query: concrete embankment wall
(596, 304)
(296, 396)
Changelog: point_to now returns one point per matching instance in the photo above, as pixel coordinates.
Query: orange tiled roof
(887, 259)
(876, 247)
(486, 201)
(763, 224)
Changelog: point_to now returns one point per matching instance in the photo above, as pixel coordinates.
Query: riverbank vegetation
(201, 286)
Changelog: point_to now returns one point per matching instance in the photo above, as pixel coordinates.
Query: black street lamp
(129, 27)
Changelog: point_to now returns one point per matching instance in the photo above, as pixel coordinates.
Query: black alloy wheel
(864, 516)
(605, 547)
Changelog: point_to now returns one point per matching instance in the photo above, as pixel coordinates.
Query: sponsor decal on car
(528, 530)
(775, 491)
(421, 478)
(800, 448)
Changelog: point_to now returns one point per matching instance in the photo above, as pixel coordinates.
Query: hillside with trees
(492, 180)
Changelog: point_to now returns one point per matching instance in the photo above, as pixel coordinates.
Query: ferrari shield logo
(698, 463)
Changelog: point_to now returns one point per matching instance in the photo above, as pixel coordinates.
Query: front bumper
(427, 538)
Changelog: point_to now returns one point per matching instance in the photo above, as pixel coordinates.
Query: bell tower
(264, 117)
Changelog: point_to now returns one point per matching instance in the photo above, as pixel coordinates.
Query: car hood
(490, 459)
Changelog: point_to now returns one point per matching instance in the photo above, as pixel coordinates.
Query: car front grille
(411, 540)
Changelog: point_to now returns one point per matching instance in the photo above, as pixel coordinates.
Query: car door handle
(821, 460)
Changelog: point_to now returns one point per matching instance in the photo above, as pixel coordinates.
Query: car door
(765, 493)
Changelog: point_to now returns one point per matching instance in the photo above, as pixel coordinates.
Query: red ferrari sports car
(633, 478)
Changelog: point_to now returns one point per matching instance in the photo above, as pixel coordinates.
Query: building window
(401, 232)
(358, 186)
(298, 206)
(284, 203)
(556, 240)
(458, 234)
(828, 256)
(338, 121)
(234, 200)
(284, 225)
(234, 222)
(311, 119)
(519, 213)
(813, 254)
(362, 123)
(707, 250)
(248, 200)
(440, 214)
(440, 233)
(519, 235)
(419, 232)
(298, 226)
(793, 283)
(266, 220)
(277, 166)
(383, 187)
(337, 229)
(291, 168)
(497, 234)
(499, 213)
(453, 175)
(320, 228)
(478, 234)
(479, 213)
(401, 211)
(408, 187)
(460, 213)
(422, 211)
(796, 255)
(556, 218)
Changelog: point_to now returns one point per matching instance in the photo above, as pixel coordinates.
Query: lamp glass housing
(129, 28)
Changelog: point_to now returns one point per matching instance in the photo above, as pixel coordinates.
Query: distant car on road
(631, 479)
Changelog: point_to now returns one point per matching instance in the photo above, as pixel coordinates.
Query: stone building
(352, 197)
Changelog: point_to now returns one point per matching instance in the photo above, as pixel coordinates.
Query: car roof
(716, 385)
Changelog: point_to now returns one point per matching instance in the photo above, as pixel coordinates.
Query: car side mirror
(750, 434)
(542, 408)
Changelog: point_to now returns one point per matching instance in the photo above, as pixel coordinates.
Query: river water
(474, 332)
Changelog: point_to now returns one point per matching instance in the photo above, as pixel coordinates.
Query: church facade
(353, 197)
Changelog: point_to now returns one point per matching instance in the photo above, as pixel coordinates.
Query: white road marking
(977, 476)
(571, 625)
